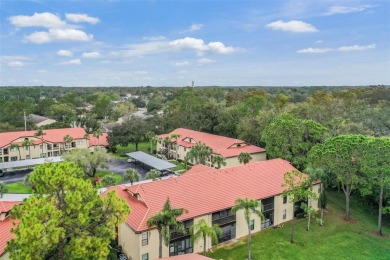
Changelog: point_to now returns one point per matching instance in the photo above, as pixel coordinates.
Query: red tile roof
(198, 168)
(220, 144)
(51, 135)
(187, 257)
(6, 225)
(93, 141)
(204, 192)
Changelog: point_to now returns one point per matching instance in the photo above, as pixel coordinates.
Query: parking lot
(121, 166)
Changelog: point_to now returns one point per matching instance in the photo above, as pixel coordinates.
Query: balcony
(225, 220)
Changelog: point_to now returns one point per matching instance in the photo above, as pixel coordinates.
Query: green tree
(89, 161)
(296, 188)
(249, 206)
(132, 175)
(16, 146)
(218, 160)
(3, 189)
(199, 153)
(315, 175)
(131, 131)
(40, 133)
(108, 181)
(376, 169)
(152, 137)
(341, 155)
(65, 218)
(153, 175)
(244, 158)
(166, 222)
(201, 230)
(292, 138)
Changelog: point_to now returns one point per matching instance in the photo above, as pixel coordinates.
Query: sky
(213, 43)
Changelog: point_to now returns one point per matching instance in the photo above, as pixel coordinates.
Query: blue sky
(171, 43)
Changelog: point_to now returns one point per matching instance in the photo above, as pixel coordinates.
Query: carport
(151, 161)
(28, 163)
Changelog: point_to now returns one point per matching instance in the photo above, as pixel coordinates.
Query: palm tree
(17, 147)
(203, 230)
(28, 143)
(132, 176)
(97, 134)
(40, 133)
(244, 158)
(153, 175)
(249, 206)
(67, 140)
(152, 137)
(199, 152)
(167, 143)
(176, 136)
(318, 174)
(166, 222)
(3, 189)
(219, 160)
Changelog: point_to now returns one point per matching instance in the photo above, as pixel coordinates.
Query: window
(26, 148)
(27, 157)
(319, 189)
(145, 256)
(14, 158)
(284, 199)
(180, 247)
(79, 143)
(252, 224)
(284, 213)
(185, 149)
(145, 236)
(43, 155)
(14, 149)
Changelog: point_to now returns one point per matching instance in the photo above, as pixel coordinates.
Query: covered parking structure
(9, 166)
(151, 161)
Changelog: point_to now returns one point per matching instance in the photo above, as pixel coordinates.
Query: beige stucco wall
(152, 246)
(129, 241)
(35, 151)
(5, 257)
(230, 162)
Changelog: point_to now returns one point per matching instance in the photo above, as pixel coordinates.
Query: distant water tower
(193, 84)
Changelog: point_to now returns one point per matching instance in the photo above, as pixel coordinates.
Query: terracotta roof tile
(51, 135)
(220, 144)
(198, 168)
(6, 225)
(93, 141)
(204, 192)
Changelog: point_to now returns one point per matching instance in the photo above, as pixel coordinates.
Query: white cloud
(205, 61)
(183, 72)
(199, 45)
(139, 50)
(91, 55)
(64, 53)
(58, 35)
(71, 62)
(193, 27)
(47, 20)
(140, 72)
(14, 57)
(357, 47)
(338, 9)
(42, 71)
(319, 41)
(79, 18)
(314, 50)
(182, 63)
(154, 38)
(15, 64)
(292, 26)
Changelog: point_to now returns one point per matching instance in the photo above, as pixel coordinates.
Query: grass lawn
(18, 188)
(179, 165)
(337, 239)
(121, 151)
(117, 177)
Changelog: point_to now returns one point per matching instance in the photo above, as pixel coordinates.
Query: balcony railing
(268, 207)
(225, 220)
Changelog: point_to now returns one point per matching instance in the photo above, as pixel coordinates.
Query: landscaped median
(337, 239)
